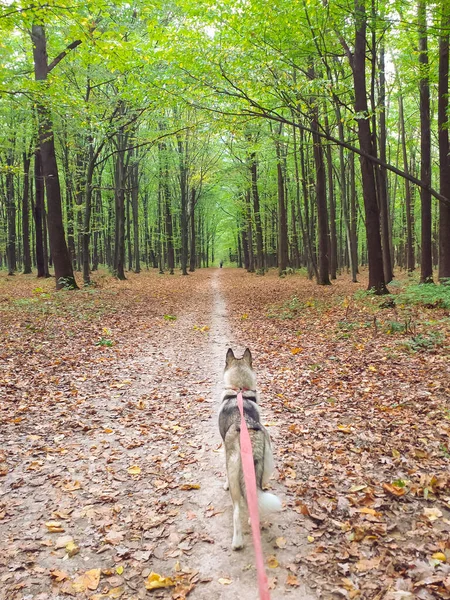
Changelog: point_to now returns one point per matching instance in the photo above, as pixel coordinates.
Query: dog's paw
(237, 543)
(226, 486)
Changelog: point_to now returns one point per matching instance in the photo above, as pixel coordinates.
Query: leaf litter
(101, 447)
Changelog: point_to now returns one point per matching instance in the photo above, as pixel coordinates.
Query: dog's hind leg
(236, 495)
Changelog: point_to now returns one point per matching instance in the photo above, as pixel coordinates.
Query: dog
(239, 375)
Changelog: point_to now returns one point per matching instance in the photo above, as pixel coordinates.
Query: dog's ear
(248, 357)
(230, 357)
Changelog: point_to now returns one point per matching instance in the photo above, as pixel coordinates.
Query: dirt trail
(219, 561)
(75, 465)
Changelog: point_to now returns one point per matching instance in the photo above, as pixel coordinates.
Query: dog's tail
(268, 503)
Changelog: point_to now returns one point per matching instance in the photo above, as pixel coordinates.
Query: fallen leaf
(272, 562)
(87, 581)
(134, 470)
(155, 581)
(224, 581)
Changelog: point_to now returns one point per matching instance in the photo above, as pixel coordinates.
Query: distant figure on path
(221, 263)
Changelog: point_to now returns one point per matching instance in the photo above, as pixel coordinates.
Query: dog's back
(239, 376)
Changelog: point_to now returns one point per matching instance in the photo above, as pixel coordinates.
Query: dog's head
(239, 372)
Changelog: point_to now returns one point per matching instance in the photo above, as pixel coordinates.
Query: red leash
(248, 468)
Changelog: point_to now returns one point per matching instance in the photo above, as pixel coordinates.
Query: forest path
(127, 462)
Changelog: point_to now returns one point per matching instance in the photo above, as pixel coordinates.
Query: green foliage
(170, 318)
(426, 342)
(425, 295)
(104, 342)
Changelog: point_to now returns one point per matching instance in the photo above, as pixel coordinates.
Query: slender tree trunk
(331, 201)
(10, 216)
(248, 218)
(119, 197)
(444, 148)
(257, 214)
(409, 226)
(167, 210)
(41, 263)
(372, 214)
(283, 255)
(382, 176)
(182, 156)
(60, 254)
(192, 228)
(134, 177)
(26, 214)
(311, 259)
(426, 266)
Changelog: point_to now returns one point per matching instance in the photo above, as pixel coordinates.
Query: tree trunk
(38, 213)
(192, 227)
(426, 266)
(382, 176)
(409, 225)
(331, 201)
(282, 214)
(60, 254)
(444, 149)
(119, 197)
(257, 214)
(321, 201)
(134, 177)
(182, 156)
(248, 219)
(372, 214)
(26, 214)
(10, 216)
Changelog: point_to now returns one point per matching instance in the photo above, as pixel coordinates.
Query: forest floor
(111, 465)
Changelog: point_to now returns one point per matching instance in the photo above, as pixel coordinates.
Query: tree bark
(321, 200)
(257, 214)
(409, 224)
(10, 216)
(283, 251)
(60, 254)
(382, 176)
(444, 148)
(182, 157)
(38, 213)
(193, 232)
(26, 214)
(426, 265)
(372, 214)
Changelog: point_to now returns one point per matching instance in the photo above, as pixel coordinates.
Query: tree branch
(64, 53)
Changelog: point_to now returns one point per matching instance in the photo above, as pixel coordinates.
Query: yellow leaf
(155, 581)
(310, 538)
(87, 581)
(72, 549)
(272, 562)
(440, 556)
(296, 350)
(190, 486)
(54, 526)
(244, 316)
(372, 368)
(134, 470)
(345, 428)
(224, 581)
(281, 542)
(119, 570)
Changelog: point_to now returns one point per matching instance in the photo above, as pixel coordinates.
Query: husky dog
(239, 375)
